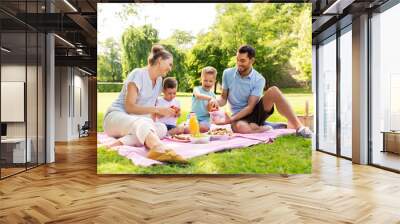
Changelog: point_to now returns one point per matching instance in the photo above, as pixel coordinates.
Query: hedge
(109, 87)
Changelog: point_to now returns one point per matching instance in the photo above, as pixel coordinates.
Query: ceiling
(73, 21)
(330, 15)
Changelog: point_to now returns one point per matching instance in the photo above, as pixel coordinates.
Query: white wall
(61, 103)
(70, 84)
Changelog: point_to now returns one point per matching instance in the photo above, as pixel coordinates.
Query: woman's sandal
(166, 156)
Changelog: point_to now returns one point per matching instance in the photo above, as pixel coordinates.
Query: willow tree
(136, 44)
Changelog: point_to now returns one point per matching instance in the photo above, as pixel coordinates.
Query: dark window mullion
(369, 89)
(338, 115)
(37, 91)
(26, 87)
(0, 93)
(317, 97)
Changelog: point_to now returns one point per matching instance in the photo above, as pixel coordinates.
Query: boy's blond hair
(209, 70)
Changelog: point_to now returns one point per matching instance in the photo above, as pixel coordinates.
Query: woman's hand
(166, 111)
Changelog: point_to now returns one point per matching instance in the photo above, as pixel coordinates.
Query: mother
(129, 116)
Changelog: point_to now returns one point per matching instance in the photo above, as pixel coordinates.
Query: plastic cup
(217, 116)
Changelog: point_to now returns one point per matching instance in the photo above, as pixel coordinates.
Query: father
(243, 88)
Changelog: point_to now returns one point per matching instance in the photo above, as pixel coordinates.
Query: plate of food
(220, 134)
(180, 138)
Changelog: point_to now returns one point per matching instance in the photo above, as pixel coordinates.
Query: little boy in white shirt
(168, 100)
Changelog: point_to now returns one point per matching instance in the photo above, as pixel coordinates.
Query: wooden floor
(10, 171)
(70, 191)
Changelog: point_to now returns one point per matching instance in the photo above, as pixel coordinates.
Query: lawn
(288, 154)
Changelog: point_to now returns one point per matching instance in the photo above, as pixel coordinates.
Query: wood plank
(70, 191)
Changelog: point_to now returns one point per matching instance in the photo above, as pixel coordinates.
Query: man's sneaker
(304, 132)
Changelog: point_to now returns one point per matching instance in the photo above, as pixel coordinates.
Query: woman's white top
(147, 93)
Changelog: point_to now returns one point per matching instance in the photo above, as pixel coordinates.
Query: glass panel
(385, 86)
(31, 97)
(13, 85)
(22, 81)
(327, 96)
(346, 93)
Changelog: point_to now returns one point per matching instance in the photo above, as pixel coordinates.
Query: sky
(189, 17)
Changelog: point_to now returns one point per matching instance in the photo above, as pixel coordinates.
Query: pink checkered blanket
(187, 150)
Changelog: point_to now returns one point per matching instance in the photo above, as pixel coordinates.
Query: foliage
(180, 39)
(108, 63)
(302, 55)
(207, 52)
(136, 45)
(179, 68)
(109, 87)
(280, 33)
(267, 27)
(127, 11)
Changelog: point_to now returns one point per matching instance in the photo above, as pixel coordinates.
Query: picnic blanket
(188, 150)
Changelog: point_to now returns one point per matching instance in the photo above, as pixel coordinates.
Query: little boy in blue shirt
(202, 96)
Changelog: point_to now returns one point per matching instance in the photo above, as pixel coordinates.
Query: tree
(267, 27)
(180, 39)
(280, 33)
(103, 69)
(136, 45)
(207, 52)
(302, 54)
(109, 63)
(128, 10)
(179, 68)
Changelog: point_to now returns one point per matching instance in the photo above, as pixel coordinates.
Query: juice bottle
(194, 127)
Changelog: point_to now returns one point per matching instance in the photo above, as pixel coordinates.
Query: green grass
(295, 90)
(297, 100)
(287, 155)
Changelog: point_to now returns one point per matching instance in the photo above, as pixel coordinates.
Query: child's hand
(177, 111)
(212, 106)
(154, 117)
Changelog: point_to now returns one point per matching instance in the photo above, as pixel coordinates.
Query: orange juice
(194, 126)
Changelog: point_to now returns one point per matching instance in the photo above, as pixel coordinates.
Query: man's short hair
(170, 83)
(251, 52)
(209, 70)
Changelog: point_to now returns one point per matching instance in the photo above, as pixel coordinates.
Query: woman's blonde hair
(158, 51)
